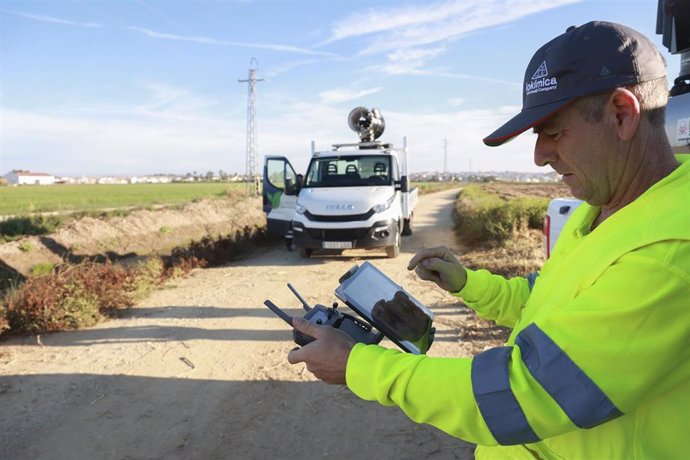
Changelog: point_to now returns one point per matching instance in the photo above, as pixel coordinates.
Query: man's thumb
(306, 327)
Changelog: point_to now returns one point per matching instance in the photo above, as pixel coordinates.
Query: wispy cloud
(413, 26)
(213, 41)
(412, 36)
(53, 20)
(163, 103)
(166, 97)
(379, 20)
(288, 66)
(343, 95)
(407, 61)
(405, 68)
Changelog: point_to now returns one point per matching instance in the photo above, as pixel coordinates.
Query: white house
(29, 178)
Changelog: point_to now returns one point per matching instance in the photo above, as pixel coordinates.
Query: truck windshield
(349, 171)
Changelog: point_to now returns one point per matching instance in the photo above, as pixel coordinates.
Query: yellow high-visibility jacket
(598, 362)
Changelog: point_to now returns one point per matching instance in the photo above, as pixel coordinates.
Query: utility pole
(445, 156)
(251, 174)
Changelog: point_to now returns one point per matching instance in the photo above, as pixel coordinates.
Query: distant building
(29, 178)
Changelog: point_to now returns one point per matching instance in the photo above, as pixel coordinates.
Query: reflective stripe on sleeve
(499, 408)
(531, 279)
(579, 397)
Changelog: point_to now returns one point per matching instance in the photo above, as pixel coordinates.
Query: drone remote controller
(358, 330)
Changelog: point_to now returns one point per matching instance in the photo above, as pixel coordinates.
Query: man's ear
(626, 109)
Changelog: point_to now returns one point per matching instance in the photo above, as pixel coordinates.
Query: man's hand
(440, 266)
(326, 357)
(402, 317)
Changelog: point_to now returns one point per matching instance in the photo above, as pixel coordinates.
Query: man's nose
(544, 151)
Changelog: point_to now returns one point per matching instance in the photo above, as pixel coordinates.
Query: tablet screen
(386, 305)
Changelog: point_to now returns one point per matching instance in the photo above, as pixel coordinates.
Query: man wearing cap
(598, 362)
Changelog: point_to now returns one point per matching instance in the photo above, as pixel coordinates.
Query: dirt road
(199, 370)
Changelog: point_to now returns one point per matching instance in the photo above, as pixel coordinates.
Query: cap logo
(541, 72)
(540, 81)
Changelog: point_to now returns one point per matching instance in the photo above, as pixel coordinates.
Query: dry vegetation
(500, 225)
(72, 296)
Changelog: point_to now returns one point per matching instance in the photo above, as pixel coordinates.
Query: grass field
(431, 187)
(29, 199)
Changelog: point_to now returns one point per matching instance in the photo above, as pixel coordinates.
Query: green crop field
(29, 199)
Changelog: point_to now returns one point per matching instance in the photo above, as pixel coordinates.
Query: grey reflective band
(497, 404)
(531, 279)
(579, 397)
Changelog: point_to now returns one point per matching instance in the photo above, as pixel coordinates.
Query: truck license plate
(337, 244)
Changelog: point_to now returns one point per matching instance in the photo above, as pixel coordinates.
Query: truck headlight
(383, 206)
(299, 209)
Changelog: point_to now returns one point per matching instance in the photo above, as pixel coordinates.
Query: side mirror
(292, 187)
(403, 184)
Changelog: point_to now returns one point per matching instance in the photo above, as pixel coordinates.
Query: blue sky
(131, 87)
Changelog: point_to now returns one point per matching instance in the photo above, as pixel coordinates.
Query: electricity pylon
(251, 173)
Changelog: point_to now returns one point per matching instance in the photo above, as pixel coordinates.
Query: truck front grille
(345, 234)
(348, 218)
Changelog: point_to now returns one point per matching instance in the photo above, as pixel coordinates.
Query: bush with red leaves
(75, 296)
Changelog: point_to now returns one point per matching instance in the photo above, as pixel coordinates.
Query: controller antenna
(305, 305)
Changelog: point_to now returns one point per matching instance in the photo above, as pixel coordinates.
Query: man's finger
(436, 265)
(427, 275)
(296, 355)
(306, 327)
(439, 251)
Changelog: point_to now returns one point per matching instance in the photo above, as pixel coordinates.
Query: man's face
(582, 152)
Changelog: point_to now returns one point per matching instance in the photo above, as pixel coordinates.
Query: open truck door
(280, 188)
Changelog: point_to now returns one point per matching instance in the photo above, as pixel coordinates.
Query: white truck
(354, 196)
(674, 26)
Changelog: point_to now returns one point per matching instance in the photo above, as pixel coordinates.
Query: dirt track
(199, 370)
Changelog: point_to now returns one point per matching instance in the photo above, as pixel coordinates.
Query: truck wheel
(305, 252)
(393, 251)
(407, 226)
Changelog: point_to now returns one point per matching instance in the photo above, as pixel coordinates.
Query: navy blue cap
(586, 60)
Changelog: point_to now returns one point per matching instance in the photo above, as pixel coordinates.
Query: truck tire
(305, 252)
(393, 251)
(407, 226)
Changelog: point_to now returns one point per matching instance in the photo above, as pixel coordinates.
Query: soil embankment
(199, 370)
(140, 233)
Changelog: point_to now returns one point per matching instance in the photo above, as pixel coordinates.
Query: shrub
(75, 296)
(68, 298)
(42, 269)
(222, 249)
(26, 246)
(4, 324)
(16, 227)
(149, 273)
(482, 216)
